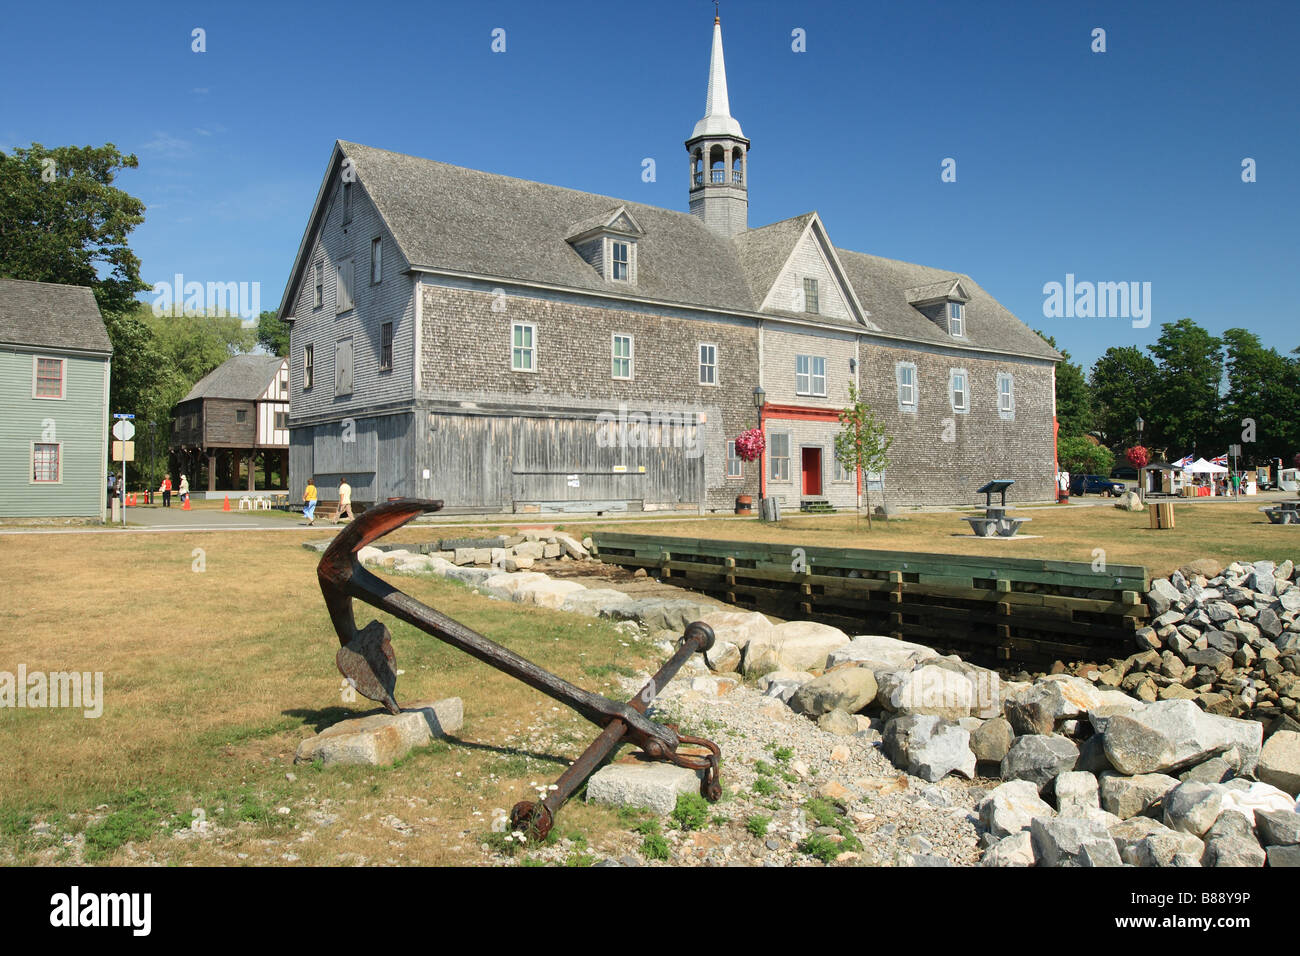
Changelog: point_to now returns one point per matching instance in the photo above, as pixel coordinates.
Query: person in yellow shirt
(345, 501)
(309, 501)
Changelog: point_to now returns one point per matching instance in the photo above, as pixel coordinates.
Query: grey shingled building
(507, 345)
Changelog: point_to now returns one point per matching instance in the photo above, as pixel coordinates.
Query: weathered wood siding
(221, 425)
(77, 422)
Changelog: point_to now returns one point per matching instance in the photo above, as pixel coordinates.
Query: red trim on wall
(801, 413)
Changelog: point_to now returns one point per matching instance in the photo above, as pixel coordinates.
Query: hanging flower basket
(750, 445)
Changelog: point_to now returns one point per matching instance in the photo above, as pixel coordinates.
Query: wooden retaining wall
(1006, 611)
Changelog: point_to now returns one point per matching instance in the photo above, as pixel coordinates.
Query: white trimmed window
(281, 421)
(308, 367)
(621, 356)
(708, 364)
(1006, 395)
(735, 467)
(905, 373)
(318, 283)
(343, 279)
(45, 461)
(809, 375)
(620, 262)
(956, 319)
(523, 339)
(347, 203)
(343, 366)
(376, 260)
(779, 455)
(841, 473)
(959, 390)
(47, 377)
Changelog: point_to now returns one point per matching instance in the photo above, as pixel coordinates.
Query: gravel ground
(900, 820)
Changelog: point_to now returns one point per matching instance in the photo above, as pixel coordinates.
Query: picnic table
(995, 521)
(1286, 512)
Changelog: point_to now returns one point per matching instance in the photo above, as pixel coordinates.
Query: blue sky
(1116, 166)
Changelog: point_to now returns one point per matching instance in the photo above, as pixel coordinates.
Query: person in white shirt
(345, 501)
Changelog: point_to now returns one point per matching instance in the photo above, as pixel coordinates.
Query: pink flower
(750, 445)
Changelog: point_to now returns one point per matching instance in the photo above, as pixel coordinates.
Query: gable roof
(950, 288)
(612, 220)
(50, 315)
(509, 228)
(242, 376)
(462, 221)
(882, 286)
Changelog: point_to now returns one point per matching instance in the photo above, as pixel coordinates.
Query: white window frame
(318, 284)
(1009, 411)
(614, 263)
(308, 366)
(345, 277)
(841, 475)
(339, 390)
(711, 366)
(775, 470)
(615, 358)
(276, 420)
(36, 377)
(811, 376)
(957, 321)
(347, 203)
(58, 463)
(530, 348)
(376, 260)
(735, 466)
(906, 405)
(965, 390)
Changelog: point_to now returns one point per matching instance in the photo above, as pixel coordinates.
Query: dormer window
(607, 243)
(956, 319)
(619, 260)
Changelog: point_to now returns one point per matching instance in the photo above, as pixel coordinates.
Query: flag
(1184, 462)
(1221, 460)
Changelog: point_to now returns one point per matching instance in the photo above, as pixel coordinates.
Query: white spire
(717, 110)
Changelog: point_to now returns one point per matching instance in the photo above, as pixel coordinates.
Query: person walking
(166, 490)
(184, 490)
(1236, 484)
(345, 501)
(309, 501)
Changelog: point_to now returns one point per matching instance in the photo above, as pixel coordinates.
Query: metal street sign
(1234, 451)
(122, 415)
(124, 451)
(123, 431)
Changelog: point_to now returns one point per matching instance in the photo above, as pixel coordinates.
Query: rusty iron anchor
(366, 659)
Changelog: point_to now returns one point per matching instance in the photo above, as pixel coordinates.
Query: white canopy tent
(1203, 467)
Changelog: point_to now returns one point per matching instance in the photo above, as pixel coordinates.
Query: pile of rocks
(504, 552)
(1094, 776)
(1228, 639)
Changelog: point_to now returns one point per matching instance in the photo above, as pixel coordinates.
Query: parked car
(1095, 485)
(1124, 471)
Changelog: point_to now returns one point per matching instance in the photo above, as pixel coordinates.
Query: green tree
(861, 446)
(1185, 408)
(1123, 383)
(1073, 400)
(196, 344)
(1263, 387)
(62, 220)
(273, 333)
(1080, 455)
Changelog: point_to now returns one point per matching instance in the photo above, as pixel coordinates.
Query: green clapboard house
(54, 365)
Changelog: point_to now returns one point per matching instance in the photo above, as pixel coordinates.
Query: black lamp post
(760, 398)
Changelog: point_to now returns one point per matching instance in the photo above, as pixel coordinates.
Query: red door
(812, 471)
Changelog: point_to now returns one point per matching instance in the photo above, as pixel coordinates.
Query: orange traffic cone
(226, 506)
(130, 501)
(186, 505)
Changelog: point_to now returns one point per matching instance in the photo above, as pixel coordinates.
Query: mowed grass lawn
(213, 676)
(1226, 532)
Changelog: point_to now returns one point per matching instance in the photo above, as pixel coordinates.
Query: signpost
(1235, 452)
(123, 431)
